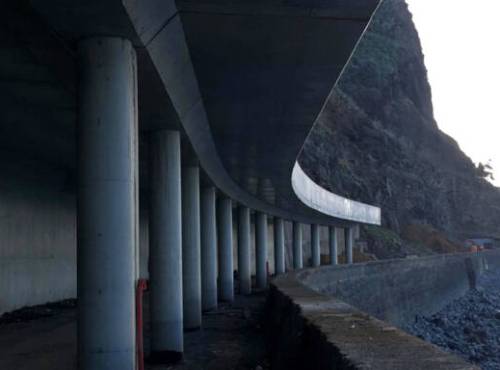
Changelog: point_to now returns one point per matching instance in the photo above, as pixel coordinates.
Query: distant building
(486, 243)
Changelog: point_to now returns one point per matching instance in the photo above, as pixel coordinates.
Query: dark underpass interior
(44, 338)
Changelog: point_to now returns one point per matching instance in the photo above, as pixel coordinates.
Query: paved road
(45, 339)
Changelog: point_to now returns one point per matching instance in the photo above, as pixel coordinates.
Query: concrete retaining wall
(397, 290)
(308, 330)
(37, 237)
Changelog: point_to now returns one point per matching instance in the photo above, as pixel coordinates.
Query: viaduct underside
(137, 136)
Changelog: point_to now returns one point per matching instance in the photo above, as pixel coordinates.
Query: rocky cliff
(378, 142)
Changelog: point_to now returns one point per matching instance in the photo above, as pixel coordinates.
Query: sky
(461, 44)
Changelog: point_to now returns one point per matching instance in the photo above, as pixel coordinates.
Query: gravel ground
(469, 326)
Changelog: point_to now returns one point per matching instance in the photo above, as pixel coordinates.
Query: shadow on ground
(44, 338)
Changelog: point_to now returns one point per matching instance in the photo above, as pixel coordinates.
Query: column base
(165, 357)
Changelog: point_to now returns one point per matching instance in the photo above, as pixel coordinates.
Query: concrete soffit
(162, 34)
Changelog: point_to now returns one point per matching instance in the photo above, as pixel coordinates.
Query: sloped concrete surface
(306, 329)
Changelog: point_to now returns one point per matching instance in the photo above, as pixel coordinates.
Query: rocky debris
(31, 313)
(469, 326)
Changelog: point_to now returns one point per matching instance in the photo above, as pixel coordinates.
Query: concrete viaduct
(143, 127)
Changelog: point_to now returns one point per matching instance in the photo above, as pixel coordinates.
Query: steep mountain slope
(378, 142)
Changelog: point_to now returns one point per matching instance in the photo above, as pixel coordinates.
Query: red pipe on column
(142, 285)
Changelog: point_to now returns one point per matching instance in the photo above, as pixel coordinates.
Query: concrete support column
(191, 254)
(349, 243)
(315, 246)
(261, 250)
(332, 238)
(279, 246)
(107, 204)
(208, 249)
(244, 240)
(225, 237)
(165, 243)
(297, 246)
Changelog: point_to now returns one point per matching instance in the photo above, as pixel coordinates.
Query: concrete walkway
(231, 338)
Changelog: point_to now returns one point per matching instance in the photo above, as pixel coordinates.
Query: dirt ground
(44, 338)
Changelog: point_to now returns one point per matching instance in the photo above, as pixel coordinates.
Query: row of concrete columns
(179, 292)
(190, 230)
(107, 204)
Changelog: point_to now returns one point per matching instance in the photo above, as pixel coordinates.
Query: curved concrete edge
(164, 40)
(331, 204)
(165, 43)
(305, 329)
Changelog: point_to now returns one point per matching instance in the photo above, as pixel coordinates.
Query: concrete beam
(324, 201)
(107, 204)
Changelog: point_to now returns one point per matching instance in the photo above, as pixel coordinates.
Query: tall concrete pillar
(208, 249)
(165, 243)
(297, 246)
(261, 250)
(349, 243)
(279, 246)
(244, 259)
(225, 238)
(191, 253)
(332, 239)
(107, 204)
(315, 246)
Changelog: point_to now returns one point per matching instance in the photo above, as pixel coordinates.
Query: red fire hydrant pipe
(142, 285)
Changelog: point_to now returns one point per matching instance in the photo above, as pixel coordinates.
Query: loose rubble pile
(469, 326)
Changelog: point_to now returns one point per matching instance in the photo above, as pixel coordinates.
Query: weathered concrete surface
(107, 212)
(37, 236)
(398, 290)
(308, 330)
